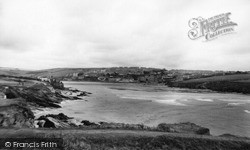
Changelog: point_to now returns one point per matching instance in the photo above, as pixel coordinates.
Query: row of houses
(139, 75)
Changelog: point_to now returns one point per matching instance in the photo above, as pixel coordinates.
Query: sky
(42, 34)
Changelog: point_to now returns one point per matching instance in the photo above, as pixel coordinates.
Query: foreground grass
(78, 139)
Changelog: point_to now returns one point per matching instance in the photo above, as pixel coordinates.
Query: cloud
(89, 33)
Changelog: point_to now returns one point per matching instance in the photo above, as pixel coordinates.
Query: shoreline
(198, 90)
(64, 99)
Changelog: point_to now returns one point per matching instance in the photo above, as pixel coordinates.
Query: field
(237, 83)
(235, 77)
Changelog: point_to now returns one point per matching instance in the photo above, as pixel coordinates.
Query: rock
(60, 116)
(15, 115)
(40, 123)
(76, 98)
(88, 123)
(36, 95)
(165, 127)
(186, 127)
(55, 121)
(203, 131)
(57, 84)
(82, 94)
(10, 92)
(73, 89)
(50, 122)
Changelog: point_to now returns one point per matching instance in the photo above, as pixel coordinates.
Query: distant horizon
(24, 69)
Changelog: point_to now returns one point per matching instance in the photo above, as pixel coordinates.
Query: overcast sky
(40, 34)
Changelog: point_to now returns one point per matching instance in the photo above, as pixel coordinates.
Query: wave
(156, 99)
(171, 102)
(204, 99)
(235, 104)
(247, 111)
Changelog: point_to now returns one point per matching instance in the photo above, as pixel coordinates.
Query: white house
(2, 95)
(44, 79)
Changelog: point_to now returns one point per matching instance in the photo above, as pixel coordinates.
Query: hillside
(12, 71)
(238, 83)
(234, 77)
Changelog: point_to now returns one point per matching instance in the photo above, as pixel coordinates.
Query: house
(2, 95)
(75, 74)
(44, 79)
(101, 78)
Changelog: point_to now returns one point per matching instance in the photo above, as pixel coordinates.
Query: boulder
(55, 121)
(60, 116)
(50, 122)
(81, 94)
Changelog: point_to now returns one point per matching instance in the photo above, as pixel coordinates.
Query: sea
(222, 113)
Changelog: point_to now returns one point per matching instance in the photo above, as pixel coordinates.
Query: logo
(210, 28)
(7, 144)
(31, 143)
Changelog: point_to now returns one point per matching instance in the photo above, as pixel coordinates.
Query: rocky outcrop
(54, 121)
(63, 121)
(37, 95)
(88, 123)
(50, 122)
(60, 116)
(186, 127)
(15, 115)
(56, 84)
(73, 94)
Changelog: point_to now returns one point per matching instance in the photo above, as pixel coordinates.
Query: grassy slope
(57, 72)
(238, 83)
(236, 77)
(127, 139)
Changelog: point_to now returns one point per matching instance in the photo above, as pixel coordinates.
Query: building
(75, 74)
(44, 79)
(2, 95)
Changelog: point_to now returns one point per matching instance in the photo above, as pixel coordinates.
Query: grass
(238, 83)
(130, 140)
